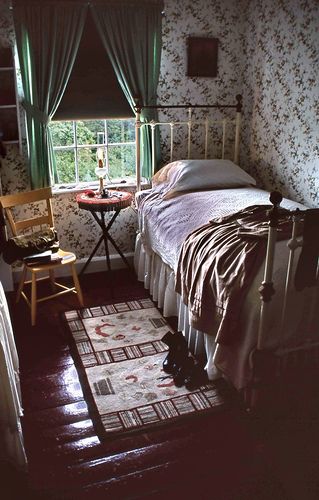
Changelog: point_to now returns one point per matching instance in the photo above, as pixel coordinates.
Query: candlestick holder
(101, 173)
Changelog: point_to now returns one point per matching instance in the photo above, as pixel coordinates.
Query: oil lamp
(101, 170)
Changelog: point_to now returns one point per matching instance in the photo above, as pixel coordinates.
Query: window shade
(93, 90)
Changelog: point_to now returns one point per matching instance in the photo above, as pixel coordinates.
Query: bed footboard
(272, 368)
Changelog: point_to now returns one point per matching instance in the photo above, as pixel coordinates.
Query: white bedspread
(163, 228)
(164, 224)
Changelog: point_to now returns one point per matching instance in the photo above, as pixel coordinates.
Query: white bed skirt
(159, 279)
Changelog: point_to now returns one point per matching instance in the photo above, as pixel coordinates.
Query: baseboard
(97, 265)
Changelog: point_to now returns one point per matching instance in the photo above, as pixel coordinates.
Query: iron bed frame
(190, 123)
(252, 394)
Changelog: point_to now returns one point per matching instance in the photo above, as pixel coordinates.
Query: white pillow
(164, 174)
(191, 175)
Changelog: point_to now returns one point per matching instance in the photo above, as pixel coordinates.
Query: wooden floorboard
(228, 455)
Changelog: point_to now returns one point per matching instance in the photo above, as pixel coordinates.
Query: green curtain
(48, 34)
(131, 32)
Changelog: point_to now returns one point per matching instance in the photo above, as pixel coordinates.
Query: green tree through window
(75, 144)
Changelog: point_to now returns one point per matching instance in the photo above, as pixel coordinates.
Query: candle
(100, 154)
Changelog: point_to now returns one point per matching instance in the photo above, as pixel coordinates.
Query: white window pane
(87, 164)
(65, 166)
(121, 156)
(90, 132)
(121, 131)
(122, 161)
(62, 133)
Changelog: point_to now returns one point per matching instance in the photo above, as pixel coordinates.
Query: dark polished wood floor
(227, 455)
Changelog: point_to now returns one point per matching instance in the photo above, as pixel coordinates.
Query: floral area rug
(119, 349)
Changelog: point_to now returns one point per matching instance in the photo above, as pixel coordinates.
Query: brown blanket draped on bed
(217, 264)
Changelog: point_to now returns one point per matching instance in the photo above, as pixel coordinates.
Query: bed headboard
(192, 122)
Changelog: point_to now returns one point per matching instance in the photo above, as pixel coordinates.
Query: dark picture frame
(202, 56)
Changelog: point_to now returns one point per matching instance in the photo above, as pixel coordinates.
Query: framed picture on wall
(202, 56)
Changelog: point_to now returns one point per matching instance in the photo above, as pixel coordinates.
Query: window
(93, 115)
(76, 145)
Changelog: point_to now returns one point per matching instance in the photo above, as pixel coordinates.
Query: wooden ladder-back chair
(43, 219)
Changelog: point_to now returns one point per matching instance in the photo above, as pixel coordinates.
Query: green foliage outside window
(75, 147)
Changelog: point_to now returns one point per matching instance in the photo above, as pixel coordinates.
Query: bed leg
(260, 395)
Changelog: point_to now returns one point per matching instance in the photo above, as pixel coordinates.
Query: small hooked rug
(119, 355)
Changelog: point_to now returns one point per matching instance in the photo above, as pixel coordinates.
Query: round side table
(98, 207)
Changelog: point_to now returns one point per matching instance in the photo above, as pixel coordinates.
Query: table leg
(119, 251)
(91, 256)
(109, 237)
(105, 237)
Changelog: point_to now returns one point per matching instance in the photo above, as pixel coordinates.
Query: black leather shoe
(178, 351)
(169, 339)
(197, 377)
(185, 369)
(169, 364)
(174, 340)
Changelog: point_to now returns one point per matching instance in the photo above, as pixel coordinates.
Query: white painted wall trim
(6, 276)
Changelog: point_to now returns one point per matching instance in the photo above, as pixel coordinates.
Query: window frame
(106, 144)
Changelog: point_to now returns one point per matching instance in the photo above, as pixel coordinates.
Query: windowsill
(82, 186)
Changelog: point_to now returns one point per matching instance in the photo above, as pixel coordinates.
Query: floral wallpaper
(219, 19)
(280, 90)
(268, 52)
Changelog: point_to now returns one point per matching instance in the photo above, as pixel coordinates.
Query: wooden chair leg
(77, 285)
(33, 299)
(21, 283)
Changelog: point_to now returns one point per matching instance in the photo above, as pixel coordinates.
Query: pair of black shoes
(181, 364)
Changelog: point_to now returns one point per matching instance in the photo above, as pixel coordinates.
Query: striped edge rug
(119, 350)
